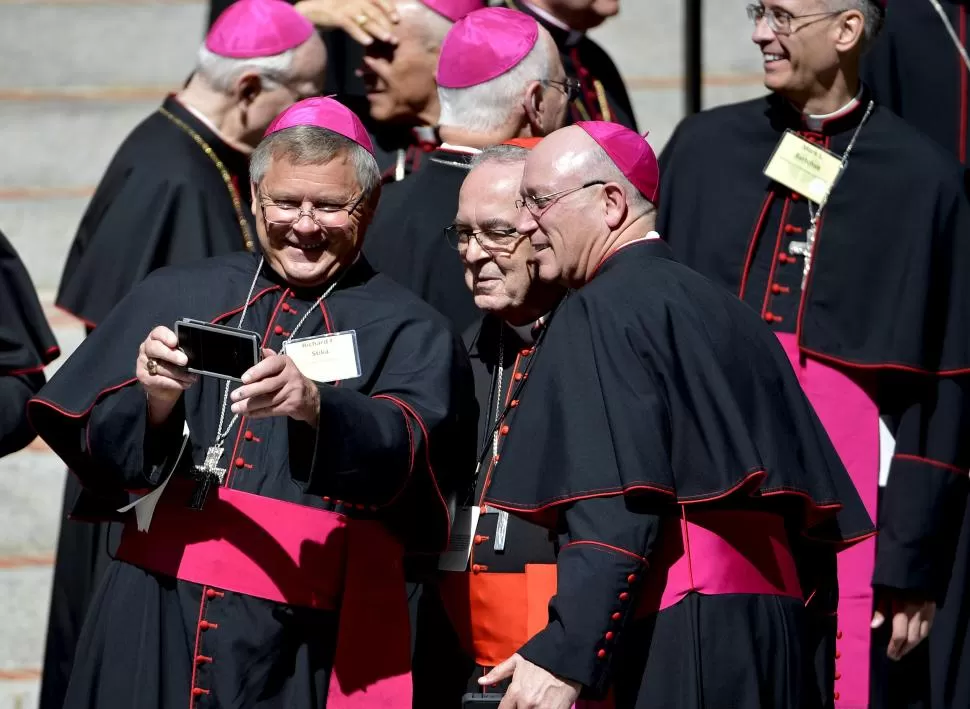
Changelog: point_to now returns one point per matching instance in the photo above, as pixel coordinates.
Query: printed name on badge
(803, 167)
(326, 358)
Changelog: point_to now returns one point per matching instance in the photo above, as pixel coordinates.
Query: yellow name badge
(803, 167)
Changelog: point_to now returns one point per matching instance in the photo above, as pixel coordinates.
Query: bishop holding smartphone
(269, 573)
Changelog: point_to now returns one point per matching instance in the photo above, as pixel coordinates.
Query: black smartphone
(217, 350)
(481, 701)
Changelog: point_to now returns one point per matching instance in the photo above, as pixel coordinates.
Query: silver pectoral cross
(804, 249)
(205, 474)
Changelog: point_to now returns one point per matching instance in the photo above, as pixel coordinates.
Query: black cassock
(886, 304)
(407, 239)
(27, 345)
(604, 96)
(656, 398)
(162, 201)
(451, 647)
(915, 69)
(387, 448)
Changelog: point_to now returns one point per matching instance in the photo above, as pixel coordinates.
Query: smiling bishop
(845, 229)
(270, 572)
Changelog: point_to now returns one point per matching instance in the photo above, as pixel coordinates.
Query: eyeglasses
(541, 203)
(494, 242)
(325, 216)
(779, 21)
(571, 87)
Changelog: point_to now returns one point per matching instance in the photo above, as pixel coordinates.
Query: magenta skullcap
(484, 44)
(454, 10)
(630, 152)
(257, 28)
(323, 112)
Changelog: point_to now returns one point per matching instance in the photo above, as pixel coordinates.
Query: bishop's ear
(850, 30)
(615, 204)
(248, 87)
(533, 105)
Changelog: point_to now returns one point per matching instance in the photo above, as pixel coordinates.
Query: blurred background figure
(602, 95)
(176, 191)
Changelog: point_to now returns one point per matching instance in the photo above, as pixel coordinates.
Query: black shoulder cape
(26, 341)
(653, 381)
(161, 202)
(888, 285)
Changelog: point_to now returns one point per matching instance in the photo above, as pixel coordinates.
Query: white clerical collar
(459, 148)
(574, 35)
(815, 121)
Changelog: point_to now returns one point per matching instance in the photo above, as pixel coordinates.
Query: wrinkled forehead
(489, 193)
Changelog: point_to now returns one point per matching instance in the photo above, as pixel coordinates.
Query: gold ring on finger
(362, 19)
(152, 367)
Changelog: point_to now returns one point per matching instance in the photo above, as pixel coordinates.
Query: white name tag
(326, 358)
(455, 557)
(809, 169)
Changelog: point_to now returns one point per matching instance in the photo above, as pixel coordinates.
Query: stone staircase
(75, 77)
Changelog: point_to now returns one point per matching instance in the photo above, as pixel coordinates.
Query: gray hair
(486, 107)
(311, 145)
(873, 18)
(505, 154)
(433, 27)
(221, 72)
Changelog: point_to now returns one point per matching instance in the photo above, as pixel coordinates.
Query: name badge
(326, 358)
(455, 557)
(803, 167)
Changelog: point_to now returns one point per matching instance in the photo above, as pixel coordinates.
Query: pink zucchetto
(323, 113)
(454, 10)
(257, 28)
(485, 44)
(630, 152)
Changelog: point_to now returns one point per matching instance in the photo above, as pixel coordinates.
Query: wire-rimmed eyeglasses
(494, 242)
(540, 203)
(571, 87)
(287, 214)
(779, 21)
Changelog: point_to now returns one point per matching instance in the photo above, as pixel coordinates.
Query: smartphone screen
(218, 353)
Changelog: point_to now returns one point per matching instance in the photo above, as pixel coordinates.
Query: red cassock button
(795, 196)
(514, 403)
(792, 229)
(198, 691)
(601, 654)
(517, 376)
(278, 329)
(616, 616)
(609, 635)
(835, 696)
(631, 579)
(211, 593)
(624, 596)
(504, 430)
(838, 675)
(249, 435)
(838, 635)
(837, 654)
(240, 462)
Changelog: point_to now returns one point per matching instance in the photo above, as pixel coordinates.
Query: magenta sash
(297, 555)
(852, 421)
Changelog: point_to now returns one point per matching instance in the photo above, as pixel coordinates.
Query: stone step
(31, 492)
(99, 44)
(26, 595)
(17, 693)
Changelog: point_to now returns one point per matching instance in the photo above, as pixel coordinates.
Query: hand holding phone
(217, 350)
(276, 387)
(161, 370)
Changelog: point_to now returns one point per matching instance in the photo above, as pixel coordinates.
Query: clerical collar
(572, 36)
(816, 122)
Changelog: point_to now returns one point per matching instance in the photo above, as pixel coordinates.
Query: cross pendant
(205, 475)
(804, 249)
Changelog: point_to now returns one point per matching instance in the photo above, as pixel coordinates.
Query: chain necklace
(805, 248)
(248, 241)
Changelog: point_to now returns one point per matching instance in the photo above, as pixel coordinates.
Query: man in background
(602, 95)
(499, 77)
(176, 191)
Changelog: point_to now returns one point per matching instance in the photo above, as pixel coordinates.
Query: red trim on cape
(881, 365)
(962, 128)
(753, 242)
(84, 321)
(252, 300)
(610, 547)
(929, 461)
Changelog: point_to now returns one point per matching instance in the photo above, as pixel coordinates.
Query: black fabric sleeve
(924, 500)
(15, 429)
(599, 573)
(362, 449)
